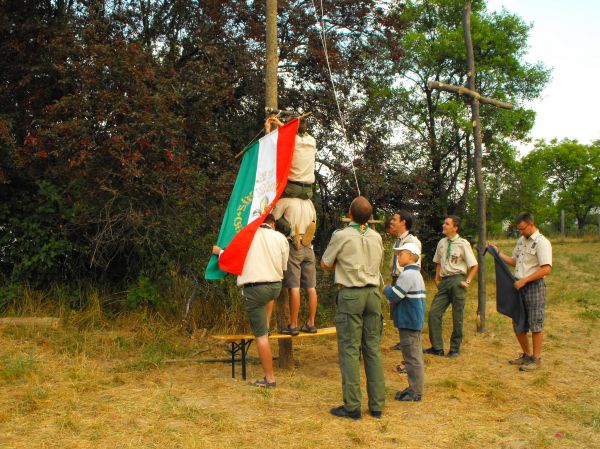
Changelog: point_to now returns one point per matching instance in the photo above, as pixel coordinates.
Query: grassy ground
(108, 386)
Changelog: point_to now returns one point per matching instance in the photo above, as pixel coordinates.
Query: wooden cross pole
(476, 98)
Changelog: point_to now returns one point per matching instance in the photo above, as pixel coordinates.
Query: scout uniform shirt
(407, 237)
(357, 256)
(297, 212)
(531, 253)
(455, 256)
(267, 257)
(303, 162)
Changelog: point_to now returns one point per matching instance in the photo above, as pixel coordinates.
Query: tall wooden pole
(481, 209)
(286, 354)
(272, 56)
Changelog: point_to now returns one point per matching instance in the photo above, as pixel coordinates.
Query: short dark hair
(524, 216)
(407, 217)
(455, 219)
(388, 222)
(361, 209)
(270, 219)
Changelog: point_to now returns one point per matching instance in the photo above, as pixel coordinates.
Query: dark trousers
(449, 292)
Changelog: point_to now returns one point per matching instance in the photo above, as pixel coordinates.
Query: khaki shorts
(301, 268)
(255, 302)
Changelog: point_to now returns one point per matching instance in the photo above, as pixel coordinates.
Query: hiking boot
(309, 234)
(533, 364)
(521, 360)
(341, 412)
(452, 354)
(289, 330)
(433, 351)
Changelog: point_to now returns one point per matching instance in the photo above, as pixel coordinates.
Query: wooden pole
(481, 209)
(562, 223)
(272, 56)
(282, 309)
(464, 91)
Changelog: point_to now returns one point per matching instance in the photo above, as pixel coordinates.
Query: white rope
(323, 36)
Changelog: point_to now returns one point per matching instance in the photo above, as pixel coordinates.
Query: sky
(566, 37)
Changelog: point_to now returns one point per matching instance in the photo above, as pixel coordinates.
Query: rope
(323, 36)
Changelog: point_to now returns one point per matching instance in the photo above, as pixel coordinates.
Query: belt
(256, 284)
(363, 286)
(299, 183)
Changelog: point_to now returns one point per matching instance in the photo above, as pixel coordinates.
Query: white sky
(566, 37)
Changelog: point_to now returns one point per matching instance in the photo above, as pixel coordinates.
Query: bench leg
(235, 348)
(245, 346)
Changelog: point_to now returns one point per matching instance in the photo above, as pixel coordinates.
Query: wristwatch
(468, 281)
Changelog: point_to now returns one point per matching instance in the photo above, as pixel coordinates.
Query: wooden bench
(241, 343)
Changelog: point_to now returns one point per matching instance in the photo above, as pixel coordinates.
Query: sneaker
(341, 412)
(533, 364)
(308, 329)
(452, 354)
(309, 234)
(521, 360)
(289, 330)
(433, 351)
(396, 347)
(375, 414)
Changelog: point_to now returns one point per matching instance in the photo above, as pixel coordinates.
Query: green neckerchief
(449, 249)
(360, 228)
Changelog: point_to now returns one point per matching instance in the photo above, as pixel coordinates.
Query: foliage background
(120, 120)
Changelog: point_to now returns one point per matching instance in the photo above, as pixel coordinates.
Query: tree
(572, 173)
(434, 126)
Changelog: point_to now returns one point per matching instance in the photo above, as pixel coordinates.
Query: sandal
(264, 383)
(308, 329)
(400, 368)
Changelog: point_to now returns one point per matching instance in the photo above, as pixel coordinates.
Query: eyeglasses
(522, 228)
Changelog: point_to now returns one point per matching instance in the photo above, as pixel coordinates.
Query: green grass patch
(589, 315)
(17, 367)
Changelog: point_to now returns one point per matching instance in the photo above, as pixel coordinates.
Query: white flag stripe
(266, 176)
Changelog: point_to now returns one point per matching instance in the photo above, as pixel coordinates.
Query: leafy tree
(572, 173)
(435, 126)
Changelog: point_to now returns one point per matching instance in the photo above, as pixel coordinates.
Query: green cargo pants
(359, 325)
(449, 292)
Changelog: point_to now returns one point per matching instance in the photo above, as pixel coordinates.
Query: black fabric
(508, 298)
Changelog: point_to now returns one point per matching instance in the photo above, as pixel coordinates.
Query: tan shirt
(297, 212)
(303, 162)
(404, 238)
(531, 253)
(267, 258)
(357, 257)
(460, 259)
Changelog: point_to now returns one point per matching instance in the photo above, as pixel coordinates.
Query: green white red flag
(261, 180)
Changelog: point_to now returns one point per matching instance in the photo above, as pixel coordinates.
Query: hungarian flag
(262, 178)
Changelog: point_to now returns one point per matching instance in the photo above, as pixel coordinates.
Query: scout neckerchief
(362, 228)
(449, 249)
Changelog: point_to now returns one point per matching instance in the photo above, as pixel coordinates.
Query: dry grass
(105, 386)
